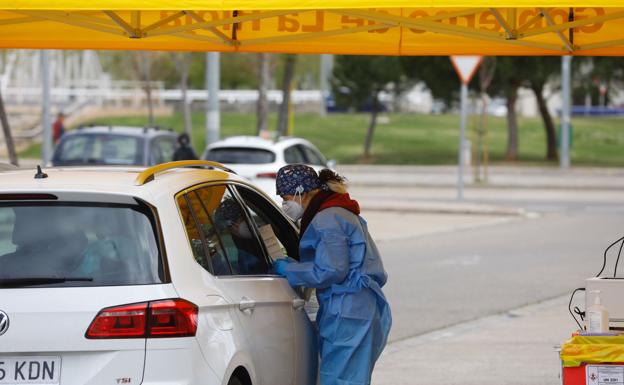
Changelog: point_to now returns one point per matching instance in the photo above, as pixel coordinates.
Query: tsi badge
(4, 322)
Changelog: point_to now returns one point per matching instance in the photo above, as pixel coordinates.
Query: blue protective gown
(339, 258)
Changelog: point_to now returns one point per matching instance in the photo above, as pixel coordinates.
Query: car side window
(207, 248)
(74, 148)
(263, 214)
(228, 242)
(312, 156)
(162, 150)
(293, 155)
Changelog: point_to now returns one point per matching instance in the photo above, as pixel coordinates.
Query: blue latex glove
(279, 266)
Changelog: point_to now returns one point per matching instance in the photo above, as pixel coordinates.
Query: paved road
(472, 268)
(444, 279)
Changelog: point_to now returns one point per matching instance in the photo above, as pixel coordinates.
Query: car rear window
(240, 155)
(100, 149)
(80, 244)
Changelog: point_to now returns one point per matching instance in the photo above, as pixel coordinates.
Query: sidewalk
(499, 177)
(516, 348)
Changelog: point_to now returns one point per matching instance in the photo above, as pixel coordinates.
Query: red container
(574, 376)
(577, 375)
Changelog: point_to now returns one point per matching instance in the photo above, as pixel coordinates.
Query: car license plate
(30, 370)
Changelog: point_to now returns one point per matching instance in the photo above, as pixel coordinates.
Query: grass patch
(412, 138)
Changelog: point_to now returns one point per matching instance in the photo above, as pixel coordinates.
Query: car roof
(80, 182)
(258, 142)
(122, 130)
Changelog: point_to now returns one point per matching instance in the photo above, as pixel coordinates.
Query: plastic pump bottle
(597, 316)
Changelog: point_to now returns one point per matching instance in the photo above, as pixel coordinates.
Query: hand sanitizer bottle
(597, 316)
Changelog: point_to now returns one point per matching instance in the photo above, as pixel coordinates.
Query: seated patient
(109, 256)
(231, 220)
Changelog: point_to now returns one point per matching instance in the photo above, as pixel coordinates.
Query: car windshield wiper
(33, 281)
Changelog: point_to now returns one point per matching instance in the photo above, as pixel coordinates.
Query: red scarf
(324, 200)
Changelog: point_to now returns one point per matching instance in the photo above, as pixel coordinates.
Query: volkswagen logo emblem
(4, 322)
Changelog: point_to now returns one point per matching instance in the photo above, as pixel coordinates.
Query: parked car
(259, 159)
(144, 276)
(115, 145)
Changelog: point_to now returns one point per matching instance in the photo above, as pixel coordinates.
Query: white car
(147, 276)
(259, 159)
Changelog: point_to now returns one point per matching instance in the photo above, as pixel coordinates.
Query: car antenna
(40, 174)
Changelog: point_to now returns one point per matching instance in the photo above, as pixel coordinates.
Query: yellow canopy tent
(399, 27)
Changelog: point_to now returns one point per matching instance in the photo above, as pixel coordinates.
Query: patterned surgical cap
(296, 178)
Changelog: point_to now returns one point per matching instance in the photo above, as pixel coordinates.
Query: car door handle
(246, 304)
(298, 303)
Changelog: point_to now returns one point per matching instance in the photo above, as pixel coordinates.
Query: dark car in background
(115, 145)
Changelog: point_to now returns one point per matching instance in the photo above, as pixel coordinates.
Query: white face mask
(293, 209)
(243, 231)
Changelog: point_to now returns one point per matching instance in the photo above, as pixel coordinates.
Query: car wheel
(235, 381)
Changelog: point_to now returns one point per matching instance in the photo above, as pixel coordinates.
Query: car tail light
(172, 318)
(127, 321)
(156, 319)
(271, 175)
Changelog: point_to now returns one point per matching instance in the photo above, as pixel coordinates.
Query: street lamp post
(213, 118)
(46, 125)
(566, 90)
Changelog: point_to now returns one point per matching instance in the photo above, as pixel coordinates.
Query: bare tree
(287, 79)
(262, 111)
(143, 67)
(182, 60)
(365, 77)
(8, 138)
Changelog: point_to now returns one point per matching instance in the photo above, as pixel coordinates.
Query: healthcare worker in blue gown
(339, 259)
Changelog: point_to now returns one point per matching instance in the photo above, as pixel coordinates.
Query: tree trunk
(289, 74)
(371, 127)
(512, 125)
(549, 126)
(142, 67)
(262, 111)
(8, 138)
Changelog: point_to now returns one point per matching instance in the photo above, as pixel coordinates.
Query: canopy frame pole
(449, 29)
(164, 21)
(572, 24)
(68, 19)
(501, 20)
(226, 39)
(86, 17)
(530, 22)
(605, 44)
(564, 39)
(512, 20)
(20, 20)
(123, 24)
(213, 23)
(191, 36)
(303, 36)
(136, 20)
(401, 19)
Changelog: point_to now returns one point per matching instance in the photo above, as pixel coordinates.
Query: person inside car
(231, 218)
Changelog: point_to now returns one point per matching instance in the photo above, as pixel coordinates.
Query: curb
(443, 208)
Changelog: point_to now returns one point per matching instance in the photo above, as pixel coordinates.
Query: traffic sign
(466, 66)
